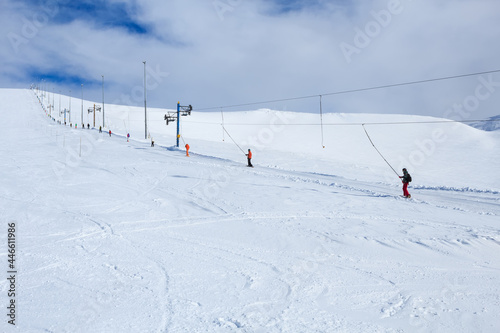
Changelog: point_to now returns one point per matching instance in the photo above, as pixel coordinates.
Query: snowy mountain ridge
(492, 125)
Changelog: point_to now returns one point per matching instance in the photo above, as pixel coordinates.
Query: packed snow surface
(117, 236)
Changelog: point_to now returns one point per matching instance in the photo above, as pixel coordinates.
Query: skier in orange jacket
(187, 149)
(249, 156)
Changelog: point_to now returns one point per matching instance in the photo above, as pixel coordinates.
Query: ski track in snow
(134, 239)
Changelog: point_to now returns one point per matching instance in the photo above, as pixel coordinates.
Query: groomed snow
(117, 236)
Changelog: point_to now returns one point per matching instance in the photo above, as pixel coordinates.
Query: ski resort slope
(117, 236)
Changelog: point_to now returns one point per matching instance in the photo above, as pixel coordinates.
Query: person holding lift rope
(406, 179)
(249, 157)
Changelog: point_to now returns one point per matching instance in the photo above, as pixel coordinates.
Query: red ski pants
(405, 189)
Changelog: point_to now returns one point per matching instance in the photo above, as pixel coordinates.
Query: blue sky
(216, 53)
(100, 13)
(103, 15)
(287, 6)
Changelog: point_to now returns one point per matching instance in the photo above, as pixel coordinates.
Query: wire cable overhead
(321, 117)
(354, 90)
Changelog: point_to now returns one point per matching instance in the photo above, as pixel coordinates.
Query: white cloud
(256, 53)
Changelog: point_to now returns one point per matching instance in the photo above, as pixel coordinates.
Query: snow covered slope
(116, 236)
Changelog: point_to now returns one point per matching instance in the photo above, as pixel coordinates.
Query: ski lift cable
(355, 90)
(181, 134)
(321, 117)
(354, 124)
(222, 115)
(224, 128)
(378, 150)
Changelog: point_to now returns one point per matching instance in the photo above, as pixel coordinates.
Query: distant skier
(187, 149)
(406, 178)
(249, 157)
(88, 126)
(128, 137)
(152, 142)
(109, 132)
(100, 129)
